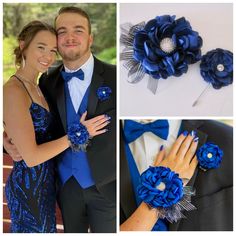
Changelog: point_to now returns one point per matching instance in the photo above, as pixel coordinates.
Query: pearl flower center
(220, 67)
(167, 45)
(209, 155)
(78, 134)
(161, 186)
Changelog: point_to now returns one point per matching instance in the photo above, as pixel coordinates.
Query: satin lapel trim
(61, 101)
(127, 199)
(97, 81)
(189, 126)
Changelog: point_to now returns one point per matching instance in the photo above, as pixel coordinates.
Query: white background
(175, 96)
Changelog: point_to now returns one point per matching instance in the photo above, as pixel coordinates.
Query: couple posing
(36, 119)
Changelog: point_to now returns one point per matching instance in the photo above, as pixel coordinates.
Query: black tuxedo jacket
(214, 188)
(102, 152)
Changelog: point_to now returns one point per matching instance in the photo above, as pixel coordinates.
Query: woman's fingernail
(185, 133)
(108, 117)
(195, 139)
(161, 147)
(193, 133)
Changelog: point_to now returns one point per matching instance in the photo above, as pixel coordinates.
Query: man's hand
(11, 148)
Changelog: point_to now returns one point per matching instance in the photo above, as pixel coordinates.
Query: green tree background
(16, 15)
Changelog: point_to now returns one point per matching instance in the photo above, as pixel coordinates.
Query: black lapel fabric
(127, 198)
(61, 100)
(97, 81)
(190, 125)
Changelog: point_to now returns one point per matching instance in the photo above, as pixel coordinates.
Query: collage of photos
(116, 122)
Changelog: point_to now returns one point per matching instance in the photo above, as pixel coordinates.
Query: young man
(87, 180)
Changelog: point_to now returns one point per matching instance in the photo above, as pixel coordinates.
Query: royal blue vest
(161, 225)
(75, 163)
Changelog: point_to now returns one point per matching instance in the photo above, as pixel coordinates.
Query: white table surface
(175, 96)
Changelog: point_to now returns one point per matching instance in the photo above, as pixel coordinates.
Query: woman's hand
(95, 125)
(182, 158)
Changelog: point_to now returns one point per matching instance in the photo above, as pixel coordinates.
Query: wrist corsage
(162, 189)
(209, 156)
(162, 47)
(79, 137)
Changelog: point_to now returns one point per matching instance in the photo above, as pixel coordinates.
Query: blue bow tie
(133, 129)
(68, 76)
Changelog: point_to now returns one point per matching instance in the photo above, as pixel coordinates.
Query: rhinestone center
(167, 45)
(220, 67)
(78, 134)
(161, 186)
(209, 155)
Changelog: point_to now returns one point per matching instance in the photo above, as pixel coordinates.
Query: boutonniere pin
(209, 156)
(104, 93)
(216, 69)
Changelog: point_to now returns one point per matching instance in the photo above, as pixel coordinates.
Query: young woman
(30, 189)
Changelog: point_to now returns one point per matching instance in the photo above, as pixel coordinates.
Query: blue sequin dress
(31, 192)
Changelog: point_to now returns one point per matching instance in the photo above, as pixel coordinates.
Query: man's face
(74, 39)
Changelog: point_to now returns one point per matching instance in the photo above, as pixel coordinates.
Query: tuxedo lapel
(190, 125)
(61, 100)
(97, 81)
(127, 198)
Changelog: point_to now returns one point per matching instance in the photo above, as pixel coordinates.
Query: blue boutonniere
(209, 156)
(217, 67)
(104, 93)
(78, 137)
(162, 189)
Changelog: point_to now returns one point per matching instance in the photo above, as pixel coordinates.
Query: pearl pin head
(220, 67)
(167, 45)
(161, 186)
(209, 155)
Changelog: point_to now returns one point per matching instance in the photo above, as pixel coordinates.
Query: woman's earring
(23, 62)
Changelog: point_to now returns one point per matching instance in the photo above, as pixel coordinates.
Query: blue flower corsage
(78, 136)
(217, 67)
(209, 156)
(162, 47)
(104, 93)
(162, 189)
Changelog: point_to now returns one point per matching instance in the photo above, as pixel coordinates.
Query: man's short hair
(76, 10)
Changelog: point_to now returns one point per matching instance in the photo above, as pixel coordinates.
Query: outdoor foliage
(16, 15)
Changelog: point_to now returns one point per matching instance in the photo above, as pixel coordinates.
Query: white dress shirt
(77, 87)
(145, 148)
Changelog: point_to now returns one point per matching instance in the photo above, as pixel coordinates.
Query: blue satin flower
(217, 67)
(209, 156)
(104, 93)
(160, 187)
(166, 46)
(78, 137)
